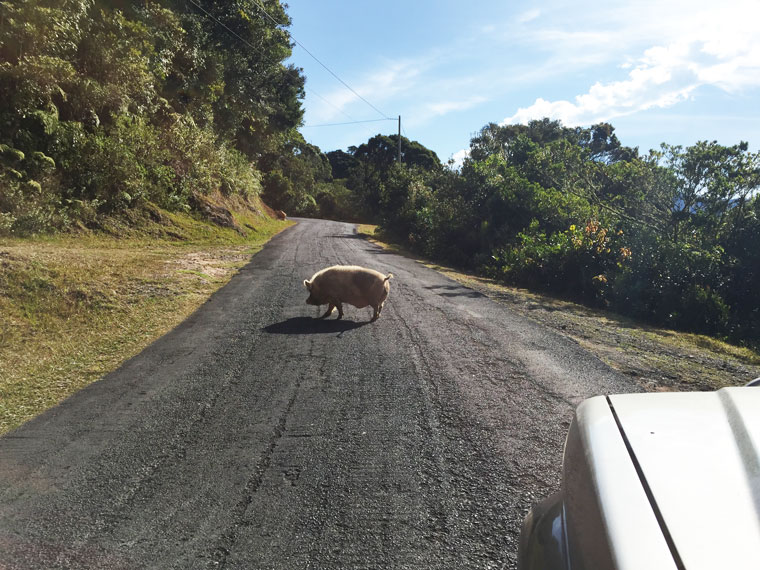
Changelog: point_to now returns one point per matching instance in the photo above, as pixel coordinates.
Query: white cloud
(529, 16)
(418, 82)
(377, 87)
(644, 89)
(720, 48)
(458, 158)
(445, 107)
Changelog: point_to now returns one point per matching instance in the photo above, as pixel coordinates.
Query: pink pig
(357, 286)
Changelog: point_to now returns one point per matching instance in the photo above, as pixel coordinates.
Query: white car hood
(699, 456)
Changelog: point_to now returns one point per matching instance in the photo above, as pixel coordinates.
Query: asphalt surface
(255, 436)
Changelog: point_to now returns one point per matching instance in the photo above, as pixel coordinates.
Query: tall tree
(107, 104)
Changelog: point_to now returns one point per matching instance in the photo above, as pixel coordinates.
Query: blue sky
(657, 70)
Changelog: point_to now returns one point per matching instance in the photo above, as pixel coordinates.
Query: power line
(334, 106)
(246, 42)
(319, 62)
(350, 123)
(313, 91)
(249, 44)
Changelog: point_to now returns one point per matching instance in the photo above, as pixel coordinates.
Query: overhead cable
(249, 44)
(350, 123)
(246, 42)
(334, 106)
(319, 62)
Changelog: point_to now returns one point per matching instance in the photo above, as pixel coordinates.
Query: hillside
(109, 109)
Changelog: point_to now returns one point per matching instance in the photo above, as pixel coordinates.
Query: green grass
(74, 307)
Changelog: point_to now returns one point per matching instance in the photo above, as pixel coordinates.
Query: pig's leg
(376, 313)
(340, 309)
(329, 311)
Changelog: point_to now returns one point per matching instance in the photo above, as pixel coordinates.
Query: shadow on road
(309, 325)
(346, 236)
(455, 291)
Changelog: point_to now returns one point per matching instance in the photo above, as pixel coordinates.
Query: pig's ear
(307, 284)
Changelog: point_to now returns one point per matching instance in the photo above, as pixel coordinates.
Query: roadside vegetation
(75, 306)
(139, 142)
(670, 238)
(658, 359)
(108, 108)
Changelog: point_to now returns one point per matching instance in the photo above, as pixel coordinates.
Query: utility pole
(399, 139)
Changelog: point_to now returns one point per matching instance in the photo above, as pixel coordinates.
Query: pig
(357, 286)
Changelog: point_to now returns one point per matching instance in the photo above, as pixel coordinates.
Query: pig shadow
(310, 325)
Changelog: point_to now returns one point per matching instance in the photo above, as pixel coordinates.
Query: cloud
(378, 86)
(412, 87)
(529, 16)
(458, 158)
(445, 107)
(646, 87)
(720, 49)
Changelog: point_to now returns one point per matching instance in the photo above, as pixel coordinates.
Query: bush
(29, 201)
(335, 201)
(107, 107)
(673, 284)
(578, 263)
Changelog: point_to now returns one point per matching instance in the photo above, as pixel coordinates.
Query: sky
(657, 70)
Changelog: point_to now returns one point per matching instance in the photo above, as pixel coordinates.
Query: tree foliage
(672, 236)
(108, 104)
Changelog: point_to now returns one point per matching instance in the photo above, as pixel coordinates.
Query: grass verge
(74, 307)
(658, 359)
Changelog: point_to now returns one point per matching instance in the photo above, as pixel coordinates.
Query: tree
(382, 150)
(132, 102)
(713, 186)
(341, 163)
(374, 163)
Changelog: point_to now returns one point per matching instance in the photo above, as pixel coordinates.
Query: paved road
(254, 436)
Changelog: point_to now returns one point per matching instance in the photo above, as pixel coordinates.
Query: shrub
(578, 263)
